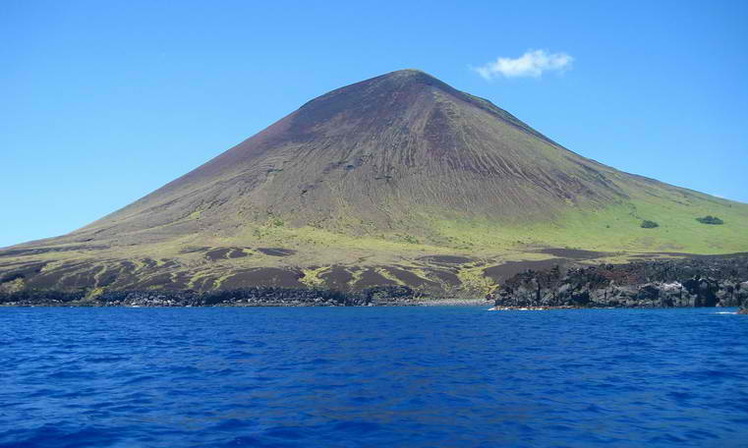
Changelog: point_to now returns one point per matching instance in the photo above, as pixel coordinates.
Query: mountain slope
(399, 179)
(352, 153)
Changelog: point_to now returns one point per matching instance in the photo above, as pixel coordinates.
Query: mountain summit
(377, 154)
(399, 179)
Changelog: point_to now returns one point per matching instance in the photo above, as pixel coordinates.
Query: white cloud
(533, 63)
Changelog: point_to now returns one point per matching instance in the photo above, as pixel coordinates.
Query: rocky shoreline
(692, 282)
(245, 297)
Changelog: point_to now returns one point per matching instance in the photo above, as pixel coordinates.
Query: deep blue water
(453, 376)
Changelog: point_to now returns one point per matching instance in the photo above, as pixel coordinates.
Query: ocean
(372, 377)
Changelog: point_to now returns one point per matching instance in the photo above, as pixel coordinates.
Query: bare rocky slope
(398, 180)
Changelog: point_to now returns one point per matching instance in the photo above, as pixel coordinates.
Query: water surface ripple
(455, 376)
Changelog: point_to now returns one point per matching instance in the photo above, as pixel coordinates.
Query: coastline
(673, 283)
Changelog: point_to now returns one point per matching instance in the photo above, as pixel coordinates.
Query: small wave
(232, 424)
(725, 312)
(286, 432)
(357, 426)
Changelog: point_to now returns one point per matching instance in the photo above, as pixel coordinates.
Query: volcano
(397, 180)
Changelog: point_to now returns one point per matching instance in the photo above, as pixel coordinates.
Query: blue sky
(103, 102)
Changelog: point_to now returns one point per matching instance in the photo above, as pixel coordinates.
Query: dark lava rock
(280, 277)
(371, 278)
(573, 253)
(225, 253)
(695, 282)
(254, 296)
(276, 251)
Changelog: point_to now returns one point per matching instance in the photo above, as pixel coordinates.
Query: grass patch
(312, 278)
(474, 280)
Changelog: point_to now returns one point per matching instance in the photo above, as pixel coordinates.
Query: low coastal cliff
(694, 282)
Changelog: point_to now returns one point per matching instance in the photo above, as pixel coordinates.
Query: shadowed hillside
(397, 180)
